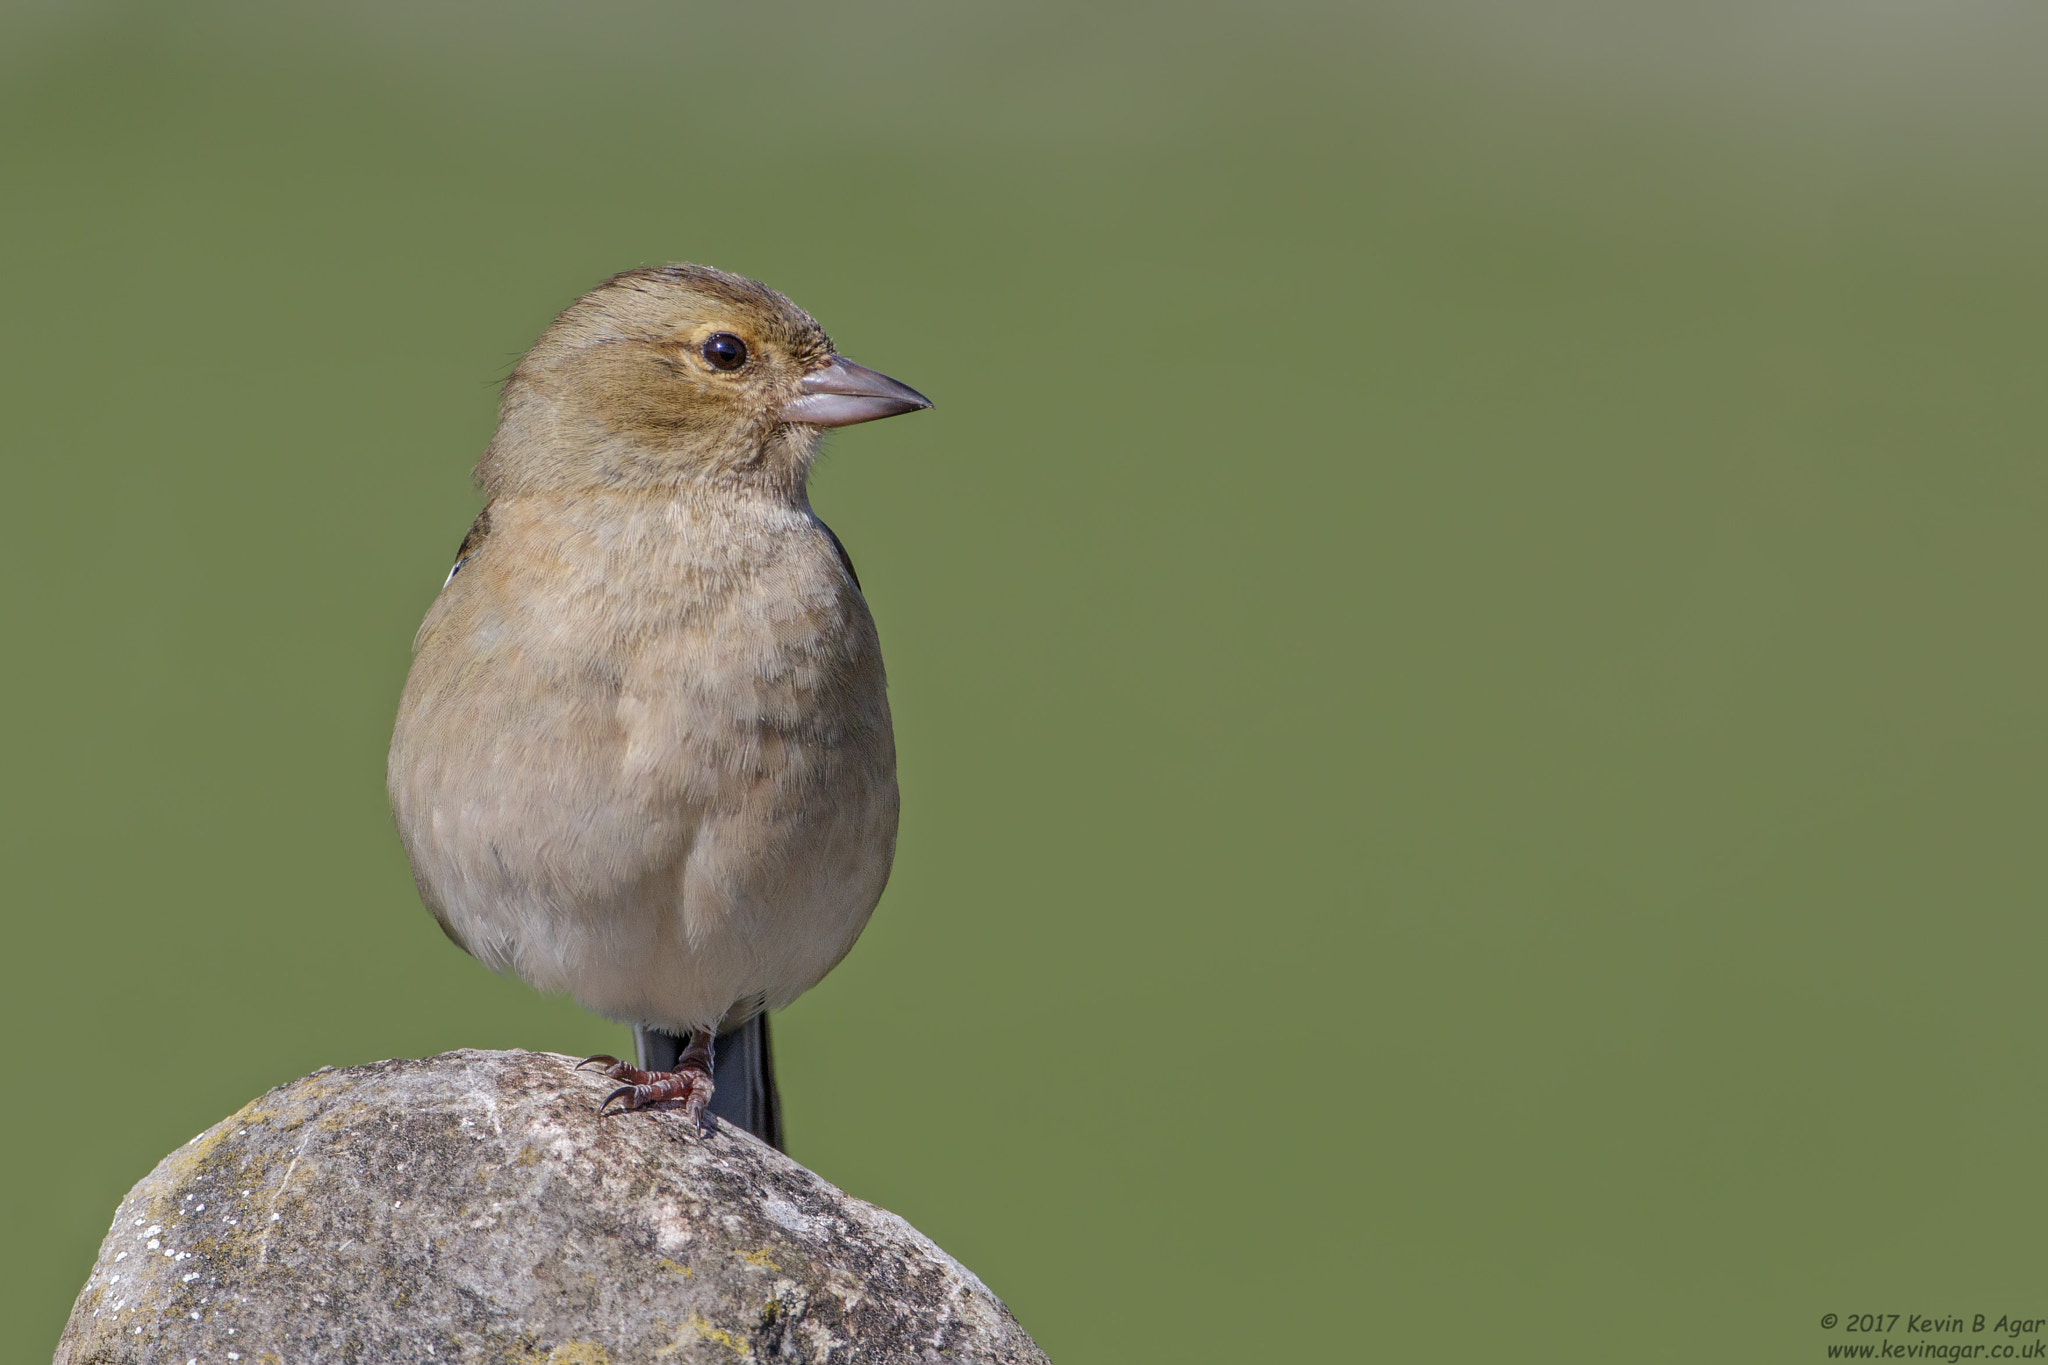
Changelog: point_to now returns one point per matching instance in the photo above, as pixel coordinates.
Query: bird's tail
(743, 1089)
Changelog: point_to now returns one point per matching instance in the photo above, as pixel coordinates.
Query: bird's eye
(724, 351)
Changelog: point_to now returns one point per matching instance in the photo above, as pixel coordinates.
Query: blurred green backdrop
(1465, 634)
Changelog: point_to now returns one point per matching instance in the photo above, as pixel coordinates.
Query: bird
(644, 753)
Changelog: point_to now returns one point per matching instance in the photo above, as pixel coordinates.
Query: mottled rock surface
(474, 1207)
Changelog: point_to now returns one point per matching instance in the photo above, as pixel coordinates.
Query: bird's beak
(844, 393)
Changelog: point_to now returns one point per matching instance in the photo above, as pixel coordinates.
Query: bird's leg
(689, 1081)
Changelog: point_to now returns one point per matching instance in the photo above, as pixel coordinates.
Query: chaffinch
(644, 754)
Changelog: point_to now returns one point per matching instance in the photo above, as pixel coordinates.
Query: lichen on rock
(474, 1207)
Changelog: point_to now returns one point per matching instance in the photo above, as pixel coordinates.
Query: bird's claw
(609, 1062)
(646, 1089)
(630, 1092)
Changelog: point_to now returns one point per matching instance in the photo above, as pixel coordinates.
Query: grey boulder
(474, 1207)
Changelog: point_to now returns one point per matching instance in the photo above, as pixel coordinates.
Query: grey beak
(844, 393)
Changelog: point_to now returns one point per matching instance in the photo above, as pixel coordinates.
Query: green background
(1466, 634)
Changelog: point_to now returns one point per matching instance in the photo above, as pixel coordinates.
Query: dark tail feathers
(742, 1075)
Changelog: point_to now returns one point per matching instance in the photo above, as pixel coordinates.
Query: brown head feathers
(656, 379)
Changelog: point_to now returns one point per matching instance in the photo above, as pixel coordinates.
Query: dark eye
(724, 351)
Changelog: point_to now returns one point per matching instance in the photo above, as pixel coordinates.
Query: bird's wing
(481, 528)
(844, 558)
(479, 531)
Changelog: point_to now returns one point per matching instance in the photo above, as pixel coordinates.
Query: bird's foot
(689, 1084)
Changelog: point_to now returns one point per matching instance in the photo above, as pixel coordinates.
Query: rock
(474, 1207)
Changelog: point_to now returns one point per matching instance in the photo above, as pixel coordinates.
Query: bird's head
(680, 373)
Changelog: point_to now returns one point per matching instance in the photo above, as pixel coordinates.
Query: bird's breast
(645, 754)
(606, 651)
